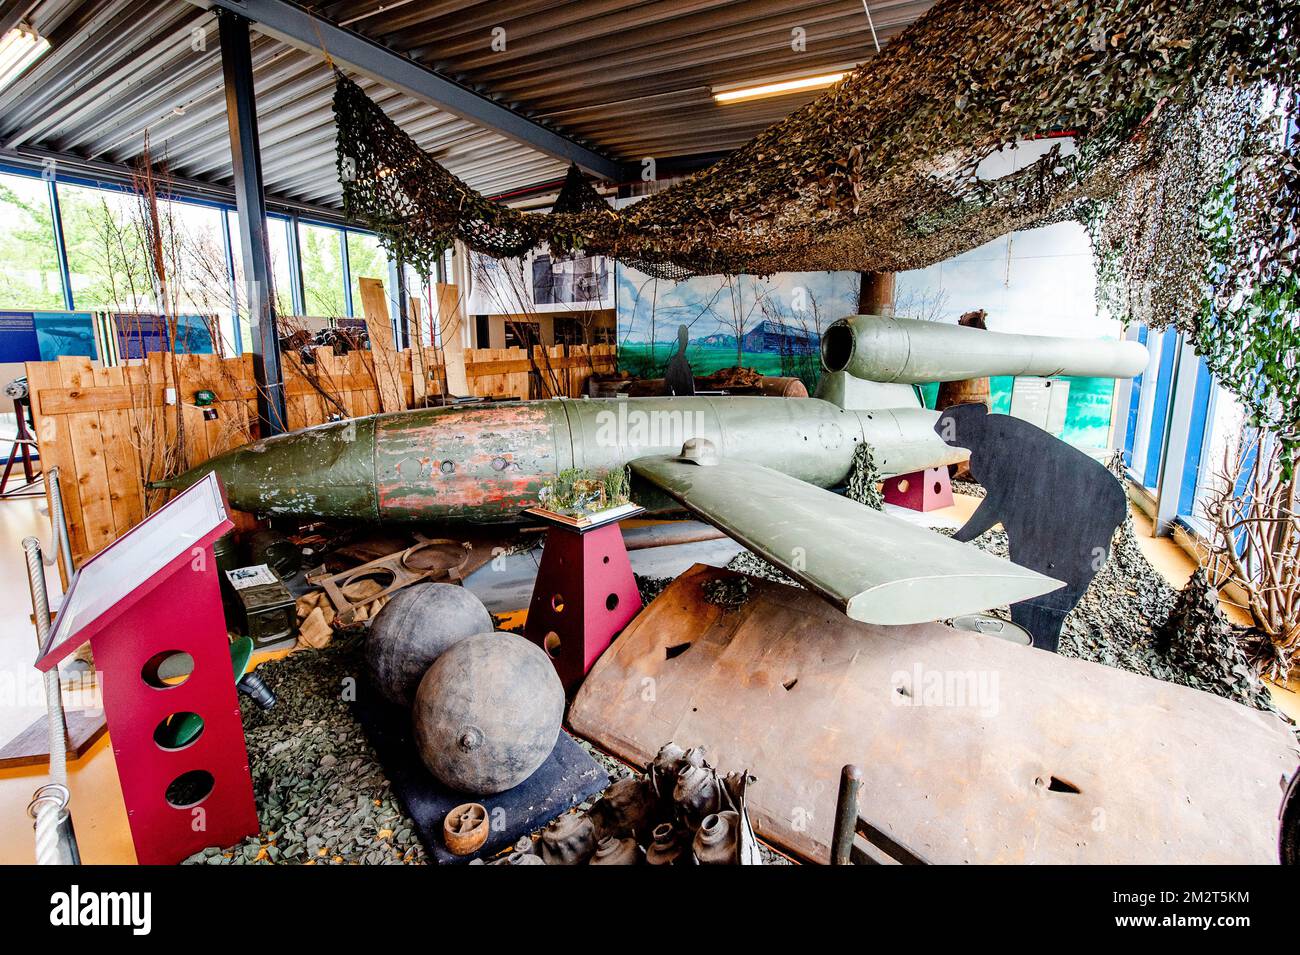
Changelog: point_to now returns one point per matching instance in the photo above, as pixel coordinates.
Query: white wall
(1035, 282)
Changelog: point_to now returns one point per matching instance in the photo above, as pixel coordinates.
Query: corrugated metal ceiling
(632, 78)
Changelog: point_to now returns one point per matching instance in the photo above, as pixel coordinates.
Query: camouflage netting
(1183, 168)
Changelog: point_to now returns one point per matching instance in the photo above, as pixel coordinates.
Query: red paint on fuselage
(485, 462)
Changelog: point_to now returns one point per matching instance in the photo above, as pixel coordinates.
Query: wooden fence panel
(111, 430)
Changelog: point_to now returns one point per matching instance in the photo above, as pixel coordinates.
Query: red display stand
(920, 490)
(585, 593)
(144, 603)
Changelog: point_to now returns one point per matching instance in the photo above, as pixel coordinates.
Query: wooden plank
(480, 367)
(54, 442)
(211, 372)
(300, 385)
(76, 371)
(296, 410)
(375, 304)
(194, 427)
(122, 398)
(350, 366)
(325, 370)
(31, 747)
(419, 374)
(126, 493)
(451, 322)
(89, 460)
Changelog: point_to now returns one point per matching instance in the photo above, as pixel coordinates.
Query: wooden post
(419, 376)
(451, 323)
(876, 293)
(387, 371)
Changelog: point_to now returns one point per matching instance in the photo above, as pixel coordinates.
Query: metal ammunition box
(265, 612)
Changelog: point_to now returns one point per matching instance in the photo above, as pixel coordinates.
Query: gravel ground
(322, 797)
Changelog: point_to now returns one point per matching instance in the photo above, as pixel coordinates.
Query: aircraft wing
(874, 567)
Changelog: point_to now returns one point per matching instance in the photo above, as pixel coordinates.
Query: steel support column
(241, 111)
(60, 246)
(397, 304)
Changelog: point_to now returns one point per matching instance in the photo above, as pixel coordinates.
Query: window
(104, 235)
(195, 250)
(322, 270)
(1135, 397)
(568, 331)
(1224, 423)
(522, 334)
(366, 259)
(1160, 407)
(277, 241)
(1197, 433)
(30, 278)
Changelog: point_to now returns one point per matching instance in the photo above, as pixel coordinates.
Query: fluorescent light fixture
(19, 49)
(776, 87)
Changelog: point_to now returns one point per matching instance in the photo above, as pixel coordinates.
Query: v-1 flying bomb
(760, 478)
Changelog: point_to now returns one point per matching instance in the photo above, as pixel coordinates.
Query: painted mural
(772, 324)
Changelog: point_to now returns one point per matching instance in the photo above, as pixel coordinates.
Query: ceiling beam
(297, 27)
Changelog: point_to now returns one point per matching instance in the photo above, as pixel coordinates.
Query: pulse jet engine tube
(913, 352)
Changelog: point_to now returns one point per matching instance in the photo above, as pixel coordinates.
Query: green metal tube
(875, 348)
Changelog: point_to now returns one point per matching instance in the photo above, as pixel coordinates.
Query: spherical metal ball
(487, 714)
(417, 625)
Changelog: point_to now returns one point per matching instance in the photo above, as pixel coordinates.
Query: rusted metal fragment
(972, 749)
(481, 464)
(874, 567)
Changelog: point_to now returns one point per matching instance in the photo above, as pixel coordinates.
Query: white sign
(1042, 402)
(242, 578)
(112, 574)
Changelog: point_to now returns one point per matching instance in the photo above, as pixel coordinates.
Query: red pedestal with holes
(134, 625)
(921, 490)
(584, 595)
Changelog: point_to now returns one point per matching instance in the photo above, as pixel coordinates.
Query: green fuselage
(487, 462)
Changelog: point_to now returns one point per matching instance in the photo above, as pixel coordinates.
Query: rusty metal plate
(973, 749)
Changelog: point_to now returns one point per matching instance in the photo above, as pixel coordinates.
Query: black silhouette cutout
(678, 377)
(1059, 507)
